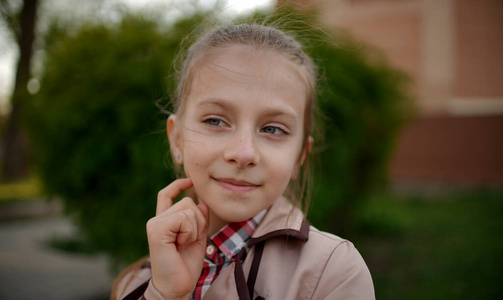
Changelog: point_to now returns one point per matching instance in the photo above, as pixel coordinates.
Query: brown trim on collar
(252, 275)
(137, 292)
(245, 288)
(239, 276)
(302, 234)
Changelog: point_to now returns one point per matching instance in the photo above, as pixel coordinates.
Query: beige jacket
(285, 259)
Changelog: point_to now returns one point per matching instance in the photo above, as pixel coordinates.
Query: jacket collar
(282, 219)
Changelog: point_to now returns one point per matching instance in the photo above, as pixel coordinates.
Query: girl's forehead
(246, 76)
(235, 63)
(246, 54)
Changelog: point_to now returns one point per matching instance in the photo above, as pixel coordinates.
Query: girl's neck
(215, 224)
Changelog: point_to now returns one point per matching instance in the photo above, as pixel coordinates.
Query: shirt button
(210, 249)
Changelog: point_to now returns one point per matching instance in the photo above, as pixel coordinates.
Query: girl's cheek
(192, 165)
(283, 170)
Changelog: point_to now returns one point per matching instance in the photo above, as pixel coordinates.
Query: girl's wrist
(183, 298)
(167, 296)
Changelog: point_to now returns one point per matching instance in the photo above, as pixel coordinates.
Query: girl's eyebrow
(225, 105)
(282, 114)
(271, 111)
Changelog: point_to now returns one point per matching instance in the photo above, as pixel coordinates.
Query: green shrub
(363, 105)
(100, 145)
(98, 138)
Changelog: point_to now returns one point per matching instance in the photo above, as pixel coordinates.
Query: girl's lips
(236, 186)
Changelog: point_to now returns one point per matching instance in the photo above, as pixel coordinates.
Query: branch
(10, 18)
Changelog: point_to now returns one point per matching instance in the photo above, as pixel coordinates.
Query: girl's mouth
(236, 186)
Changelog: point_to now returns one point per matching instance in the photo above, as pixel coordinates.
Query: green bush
(363, 104)
(98, 138)
(100, 145)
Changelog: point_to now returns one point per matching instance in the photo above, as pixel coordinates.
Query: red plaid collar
(233, 237)
(222, 248)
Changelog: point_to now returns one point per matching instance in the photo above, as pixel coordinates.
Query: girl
(241, 133)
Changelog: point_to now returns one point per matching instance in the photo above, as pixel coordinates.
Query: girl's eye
(213, 121)
(273, 130)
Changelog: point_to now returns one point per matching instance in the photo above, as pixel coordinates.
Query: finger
(205, 211)
(192, 221)
(188, 203)
(176, 228)
(165, 196)
(188, 232)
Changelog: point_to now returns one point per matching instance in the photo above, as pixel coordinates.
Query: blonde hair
(266, 38)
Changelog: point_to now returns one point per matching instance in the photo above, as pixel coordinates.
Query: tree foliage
(99, 139)
(100, 144)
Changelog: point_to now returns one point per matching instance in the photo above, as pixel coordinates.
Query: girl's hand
(177, 241)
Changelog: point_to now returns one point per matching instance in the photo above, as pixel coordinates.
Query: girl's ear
(307, 149)
(174, 139)
(305, 153)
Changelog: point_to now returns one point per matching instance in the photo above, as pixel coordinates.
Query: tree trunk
(15, 147)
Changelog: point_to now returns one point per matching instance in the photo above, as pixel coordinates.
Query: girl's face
(241, 133)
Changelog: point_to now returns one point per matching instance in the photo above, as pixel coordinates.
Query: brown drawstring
(138, 292)
(252, 276)
(246, 289)
(239, 276)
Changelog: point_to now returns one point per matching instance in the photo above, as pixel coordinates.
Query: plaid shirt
(222, 249)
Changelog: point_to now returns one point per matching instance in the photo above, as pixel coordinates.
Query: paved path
(29, 269)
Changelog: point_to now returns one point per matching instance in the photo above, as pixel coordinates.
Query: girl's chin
(217, 223)
(225, 217)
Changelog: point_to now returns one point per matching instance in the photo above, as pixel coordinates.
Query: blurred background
(408, 165)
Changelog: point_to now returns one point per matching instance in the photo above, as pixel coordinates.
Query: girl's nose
(242, 150)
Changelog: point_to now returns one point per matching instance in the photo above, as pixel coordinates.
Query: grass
(25, 189)
(446, 248)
